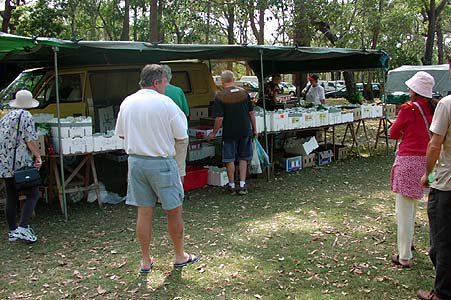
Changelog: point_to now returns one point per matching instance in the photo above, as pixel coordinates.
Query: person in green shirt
(175, 93)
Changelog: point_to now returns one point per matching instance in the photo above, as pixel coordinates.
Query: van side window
(70, 89)
(181, 79)
(111, 87)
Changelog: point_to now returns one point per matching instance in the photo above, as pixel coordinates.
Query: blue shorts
(152, 178)
(239, 149)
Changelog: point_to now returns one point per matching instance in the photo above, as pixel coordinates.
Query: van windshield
(26, 80)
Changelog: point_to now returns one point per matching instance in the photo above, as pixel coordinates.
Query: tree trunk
(161, 32)
(258, 32)
(439, 32)
(207, 31)
(153, 21)
(125, 35)
(135, 22)
(430, 12)
(6, 16)
(433, 13)
(301, 38)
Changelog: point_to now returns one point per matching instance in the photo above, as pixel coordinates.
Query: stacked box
(72, 127)
(390, 110)
(260, 123)
(347, 117)
(366, 111)
(357, 113)
(323, 117)
(295, 120)
(341, 152)
(335, 118)
(376, 111)
(316, 119)
(324, 157)
(289, 164)
(279, 121)
(198, 112)
(308, 120)
(74, 145)
(309, 161)
(103, 142)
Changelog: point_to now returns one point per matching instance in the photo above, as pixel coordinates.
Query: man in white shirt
(155, 131)
(314, 92)
(438, 157)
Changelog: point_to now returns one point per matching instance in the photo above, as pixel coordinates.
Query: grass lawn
(320, 233)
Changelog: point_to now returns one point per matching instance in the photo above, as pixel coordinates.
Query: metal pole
(268, 168)
(55, 52)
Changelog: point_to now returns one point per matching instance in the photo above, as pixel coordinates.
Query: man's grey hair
(150, 73)
(167, 70)
(227, 76)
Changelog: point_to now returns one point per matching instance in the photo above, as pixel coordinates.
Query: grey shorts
(152, 178)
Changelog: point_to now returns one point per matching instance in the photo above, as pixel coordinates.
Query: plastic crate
(195, 178)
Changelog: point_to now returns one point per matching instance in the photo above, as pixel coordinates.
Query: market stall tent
(396, 78)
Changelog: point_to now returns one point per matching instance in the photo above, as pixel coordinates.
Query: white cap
(422, 84)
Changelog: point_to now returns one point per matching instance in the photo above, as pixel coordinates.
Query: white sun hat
(422, 84)
(24, 99)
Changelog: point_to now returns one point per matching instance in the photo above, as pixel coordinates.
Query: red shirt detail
(409, 126)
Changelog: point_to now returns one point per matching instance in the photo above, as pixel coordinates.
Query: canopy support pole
(268, 168)
(63, 187)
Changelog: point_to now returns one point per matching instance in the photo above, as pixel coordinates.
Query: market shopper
(175, 93)
(178, 96)
(314, 92)
(271, 91)
(233, 111)
(154, 128)
(438, 156)
(18, 149)
(412, 128)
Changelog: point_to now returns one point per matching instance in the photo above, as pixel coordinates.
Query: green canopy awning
(28, 53)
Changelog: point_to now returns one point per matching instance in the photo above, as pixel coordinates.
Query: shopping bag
(254, 166)
(262, 155)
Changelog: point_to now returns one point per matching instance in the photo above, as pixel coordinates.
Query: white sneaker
(12, 235)
(25, 234)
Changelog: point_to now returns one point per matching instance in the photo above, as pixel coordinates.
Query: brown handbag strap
(424, 118)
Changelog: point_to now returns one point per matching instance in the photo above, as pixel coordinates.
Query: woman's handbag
(26, 177)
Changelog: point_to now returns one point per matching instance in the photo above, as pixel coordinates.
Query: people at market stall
(178, 96)
(233, 111)
(314, 92)
(154, 129)
(438, 157)
(18, 149)
(271, 91)
(412, 128)
(175, 93)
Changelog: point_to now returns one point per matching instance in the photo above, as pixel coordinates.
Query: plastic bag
(254, 166)
(262, 155)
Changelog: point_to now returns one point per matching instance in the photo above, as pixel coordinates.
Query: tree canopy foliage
(412, 32)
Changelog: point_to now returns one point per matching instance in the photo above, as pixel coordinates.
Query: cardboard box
(376, 111)
(335, 118)
(279, 121)
(323, 117)
(366, 111)
(309, 161)
(295, 120)
(390, 110)
(347, 117)
(289, 164)
(301, 146)
(198, 112)
(40, 143)
(308, 120)
(324, 157)
(217, 176)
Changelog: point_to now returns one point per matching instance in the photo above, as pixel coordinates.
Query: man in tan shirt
(438, 155)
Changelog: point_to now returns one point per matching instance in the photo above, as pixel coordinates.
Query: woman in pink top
(412, 128)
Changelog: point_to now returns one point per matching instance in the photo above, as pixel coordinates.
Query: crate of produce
(195, 178)
(72, 127)
(202, 132)
(308, 161)
(289, 164)
(198, 112)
